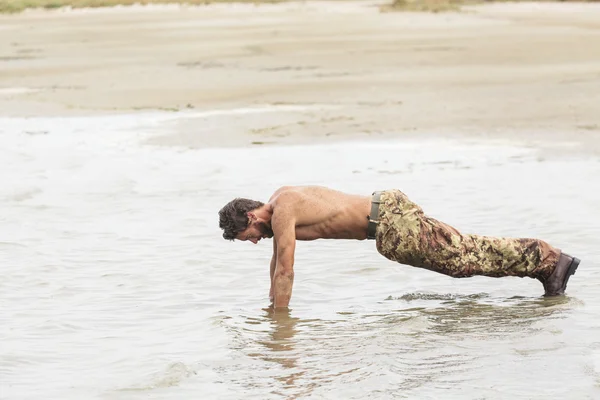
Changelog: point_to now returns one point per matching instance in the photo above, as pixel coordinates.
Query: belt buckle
(375, 201)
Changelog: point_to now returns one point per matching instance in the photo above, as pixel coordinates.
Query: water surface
(116, 283)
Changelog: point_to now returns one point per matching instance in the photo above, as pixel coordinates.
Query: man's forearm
(283, 280)
(272, 272)
(273, 265)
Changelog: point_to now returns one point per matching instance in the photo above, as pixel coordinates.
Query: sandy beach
(336, 69)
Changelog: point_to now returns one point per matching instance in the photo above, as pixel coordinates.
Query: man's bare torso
(322, 213)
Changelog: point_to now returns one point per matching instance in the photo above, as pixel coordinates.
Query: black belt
(374, 217)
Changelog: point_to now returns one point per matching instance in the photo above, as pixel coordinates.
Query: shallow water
(116, 283)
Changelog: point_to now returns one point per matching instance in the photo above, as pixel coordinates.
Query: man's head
(245, 219)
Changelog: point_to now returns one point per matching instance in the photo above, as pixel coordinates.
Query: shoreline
(498, 70)
(184, 131)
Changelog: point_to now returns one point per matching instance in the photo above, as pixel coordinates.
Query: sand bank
(348, 69)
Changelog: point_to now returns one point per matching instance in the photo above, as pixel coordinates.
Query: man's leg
(406, 235)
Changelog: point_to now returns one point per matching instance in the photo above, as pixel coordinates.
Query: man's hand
(282, 288)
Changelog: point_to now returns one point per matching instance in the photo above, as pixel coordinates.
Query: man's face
(256, 231)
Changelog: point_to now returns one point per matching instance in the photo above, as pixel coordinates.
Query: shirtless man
(401, 230)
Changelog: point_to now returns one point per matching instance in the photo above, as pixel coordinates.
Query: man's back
(323, 213)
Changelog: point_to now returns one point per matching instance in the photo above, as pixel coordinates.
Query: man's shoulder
(285, 198)
(285, 193)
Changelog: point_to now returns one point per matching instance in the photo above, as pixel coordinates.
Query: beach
(124, 130)
(499, 67)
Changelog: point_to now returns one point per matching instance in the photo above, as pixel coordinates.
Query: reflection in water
(516, 315)
(280, 345)
(405, 348)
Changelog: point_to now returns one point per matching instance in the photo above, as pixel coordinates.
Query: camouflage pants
(406, 235)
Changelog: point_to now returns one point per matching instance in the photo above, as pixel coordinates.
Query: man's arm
(284, 229)
(272, 268)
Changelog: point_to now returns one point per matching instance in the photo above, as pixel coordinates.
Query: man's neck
(265, 212)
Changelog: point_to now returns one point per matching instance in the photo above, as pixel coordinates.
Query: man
(401, 230)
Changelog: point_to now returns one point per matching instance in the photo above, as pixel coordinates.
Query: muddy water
(116, 283)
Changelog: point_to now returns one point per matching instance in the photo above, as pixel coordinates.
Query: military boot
(556, 283)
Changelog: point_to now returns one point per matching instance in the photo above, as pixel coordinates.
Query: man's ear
(251, 216)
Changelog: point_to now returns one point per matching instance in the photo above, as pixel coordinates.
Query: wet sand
(488, 71)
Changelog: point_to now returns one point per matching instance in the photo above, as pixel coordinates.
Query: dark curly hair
(233, 217)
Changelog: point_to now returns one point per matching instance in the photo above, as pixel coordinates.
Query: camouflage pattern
(406, 235)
